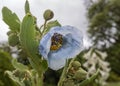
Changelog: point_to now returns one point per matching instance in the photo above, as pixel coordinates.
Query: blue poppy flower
(59, 44)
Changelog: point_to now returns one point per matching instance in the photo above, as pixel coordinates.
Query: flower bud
(13, 40)
(48, 14)
(71, 71)
(9, 33)
(76, 65)
(80, 74)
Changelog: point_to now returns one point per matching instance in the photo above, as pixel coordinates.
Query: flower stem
(39, 30)
(44, 27)
(63, 75)
(40, 80)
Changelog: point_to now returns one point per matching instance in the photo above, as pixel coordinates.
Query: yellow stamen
(56, 41)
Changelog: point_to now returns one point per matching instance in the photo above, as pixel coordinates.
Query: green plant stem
(44, 27)
(41, 26)
(39, 30)
(89, 80)
(63, 75)
(40, 80)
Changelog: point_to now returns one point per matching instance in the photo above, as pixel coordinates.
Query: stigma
(56, 41)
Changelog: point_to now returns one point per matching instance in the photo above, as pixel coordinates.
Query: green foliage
(28, 43)
(104, 30)
(44, 65)
(5, 61)
(113, 57)
(77, 77)
(15, 79)
(25, 36)
(5, 64)
(101, 19)
(96, 8)
(113, 84)
(89, 80)
(23, 76)
(11, 19)
(103, 22)
(19, 66)
(27, 39)
(115, 3)
(51, 24)
(113, 77)
(27, 8)
(13, 40)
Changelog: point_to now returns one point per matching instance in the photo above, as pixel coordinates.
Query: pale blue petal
(70, 49)
(55, 63)
(72, 46)
(44, 46)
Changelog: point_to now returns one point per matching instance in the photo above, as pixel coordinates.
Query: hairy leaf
(11, 19)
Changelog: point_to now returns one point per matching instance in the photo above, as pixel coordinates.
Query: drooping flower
(59, 44)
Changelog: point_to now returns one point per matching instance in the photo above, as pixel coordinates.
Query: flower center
(56, 41)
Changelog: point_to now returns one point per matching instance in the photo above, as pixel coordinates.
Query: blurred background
(99, 22)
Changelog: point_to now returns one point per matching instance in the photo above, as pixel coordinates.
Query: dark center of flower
(56, 41)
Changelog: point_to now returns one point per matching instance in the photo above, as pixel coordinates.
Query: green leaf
(18, 65)
(11, 19)
(28, 42)
(15, 79)
(44, 65)
(89, 80)
(1, 83)
(27, 35)
(27, 8)
(5, 64)
(51, 24)
(5, 61)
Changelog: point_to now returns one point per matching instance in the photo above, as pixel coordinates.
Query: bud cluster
(13, 39)
(75, 74)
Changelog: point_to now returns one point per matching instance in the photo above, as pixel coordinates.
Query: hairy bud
(13, 40)
(76, 65)
(48, 14)
(80, 74)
